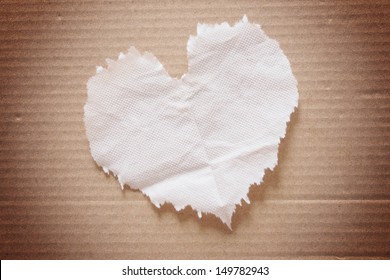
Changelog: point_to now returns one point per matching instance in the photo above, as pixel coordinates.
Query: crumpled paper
(200, 140)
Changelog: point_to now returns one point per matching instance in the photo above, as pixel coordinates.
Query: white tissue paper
(200, 140)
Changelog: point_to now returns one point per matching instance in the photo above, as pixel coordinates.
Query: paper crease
(228, 114)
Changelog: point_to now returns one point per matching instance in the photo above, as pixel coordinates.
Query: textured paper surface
(328, 197)
(200, 140)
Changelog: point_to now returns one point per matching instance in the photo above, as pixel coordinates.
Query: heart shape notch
(200, 140)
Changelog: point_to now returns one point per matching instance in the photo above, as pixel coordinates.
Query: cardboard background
(328, 198)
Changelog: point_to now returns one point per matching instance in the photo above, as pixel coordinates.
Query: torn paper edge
(202, 29)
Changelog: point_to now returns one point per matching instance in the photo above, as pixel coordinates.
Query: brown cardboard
(329, 197)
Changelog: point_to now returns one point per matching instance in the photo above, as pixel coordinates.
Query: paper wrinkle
(200, 140)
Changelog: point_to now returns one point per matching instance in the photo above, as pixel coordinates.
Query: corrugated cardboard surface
(328, 198)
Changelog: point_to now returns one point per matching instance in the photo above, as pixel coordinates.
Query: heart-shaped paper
(201, 140)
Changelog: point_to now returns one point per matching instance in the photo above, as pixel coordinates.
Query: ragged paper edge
(131, 52)
(202, 28)
(201, 214)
